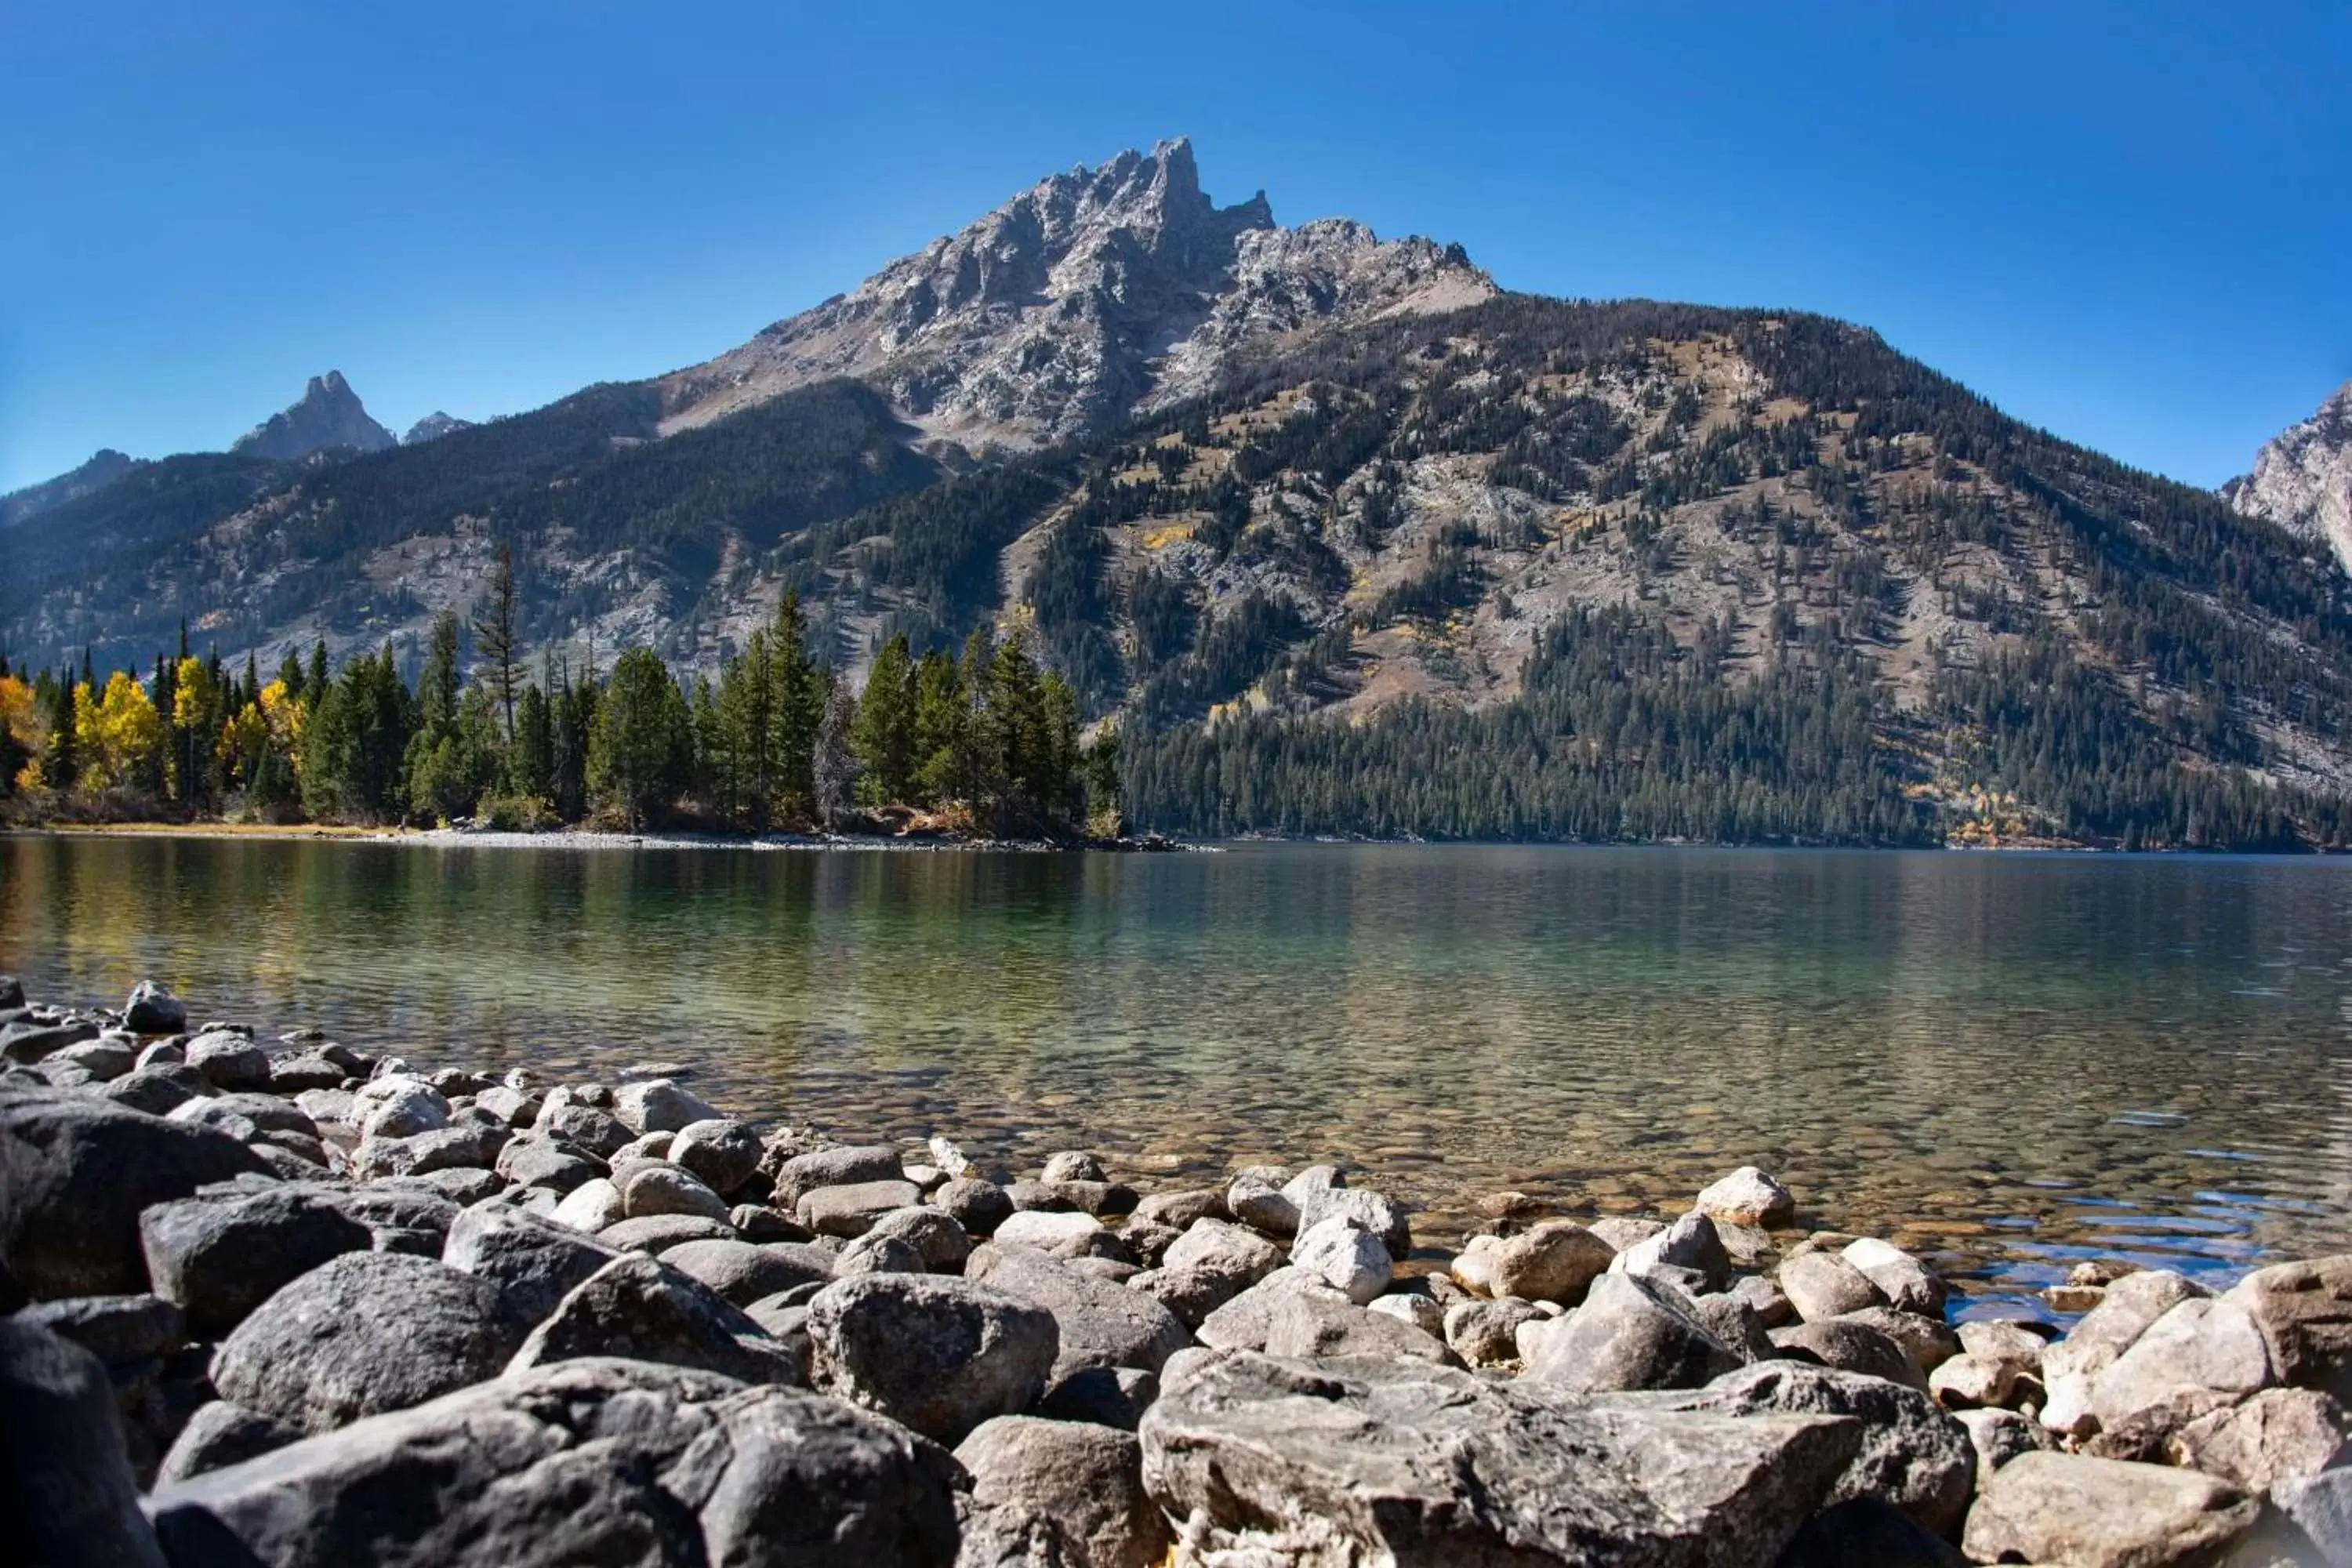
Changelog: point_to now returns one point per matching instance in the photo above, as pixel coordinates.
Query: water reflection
(2014, 1061)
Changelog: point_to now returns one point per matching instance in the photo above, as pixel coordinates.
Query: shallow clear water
(2014, 1061)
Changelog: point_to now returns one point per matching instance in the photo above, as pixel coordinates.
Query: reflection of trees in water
(1895, 1033)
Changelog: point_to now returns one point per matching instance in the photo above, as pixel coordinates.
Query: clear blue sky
(2131, 223)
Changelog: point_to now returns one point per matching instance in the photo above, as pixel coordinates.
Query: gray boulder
(1370, 1462)
(851, 1209)
(979, 1207)
(2198, 1344)
(1218, 1246)
(658, 1233)
(539, 1160)
(1321, 1324)
(1690, 1245)
(230, 1062)
(872, 1254)
(362, 1335)
(937, 1355)
(534, 1263)
(1930, 1342)
(65, 1486)
(1099, 1323)
(2305, 1314)
(584, 1127)
(222, 1433)
(1345, 1256)
(2319, 1508)
(722, 1153)
(152, 1010)
(2279, 1434)
(1104, 1396)
(77, 1173)
(1243, 1322)
(114, 1329)
(935, 1235)
(1063, 1492)
(2104, 1513)
(26, 1043)
(220, 1256)
(1189, 1294)
(158, 1090)
(640, 1308)
(1824, 1285)
(1183, 1209)
(1848, 1345)
(835, 1168)
(1911, 1454)
(659, 1105)
(1630, 1333)
(657, 1187)
(2000, 1436)
(1556, 1260)
(1255, 1197)
(1372, 1211)
(1485, 1333)
(2126, 1311)
(590, 1461)
(1907, 1284)
(744, 1272)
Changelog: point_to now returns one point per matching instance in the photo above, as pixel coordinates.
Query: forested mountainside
(1586, 570)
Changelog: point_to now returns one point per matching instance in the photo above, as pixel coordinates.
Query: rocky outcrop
(328, 416)
(2302, 478)
(433, 426)
(1089, 295)
(104, 467)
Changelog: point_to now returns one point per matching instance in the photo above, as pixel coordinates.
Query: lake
(2012, 1060)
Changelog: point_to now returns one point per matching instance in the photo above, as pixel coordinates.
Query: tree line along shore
(987, 744)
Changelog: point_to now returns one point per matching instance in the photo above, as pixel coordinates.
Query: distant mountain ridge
(104, 467)
(2302, 478)
(1345, 539)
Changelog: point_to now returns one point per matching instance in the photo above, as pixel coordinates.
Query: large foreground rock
(2104, 1513)
(640, 1308)
(220, 1256)
(2305, 1314)
(77, 1172)
(1100, 1323)
(593, 1461)
(935, 1354)
(1911, 1454)
(1368, 1461)
(1630, 1333)
(67, 1495)
(1066, 1492)
(362, 1334)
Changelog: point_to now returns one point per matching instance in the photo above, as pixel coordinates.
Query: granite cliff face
(2302, 478)
(1086, 297)
(329, 416)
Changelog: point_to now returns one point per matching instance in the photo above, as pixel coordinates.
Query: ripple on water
(2003, 1060)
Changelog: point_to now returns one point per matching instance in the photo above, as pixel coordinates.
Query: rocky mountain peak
(327, 415)
(2302, 478)
(105, 466)
(1091, 293)
(433, 426)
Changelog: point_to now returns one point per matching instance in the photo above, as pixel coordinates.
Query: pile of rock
(292, 1304)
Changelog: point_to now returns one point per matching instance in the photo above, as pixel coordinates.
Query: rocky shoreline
(276, 1301)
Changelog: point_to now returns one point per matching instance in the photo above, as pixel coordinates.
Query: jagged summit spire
(1091, 293)
(329, 414)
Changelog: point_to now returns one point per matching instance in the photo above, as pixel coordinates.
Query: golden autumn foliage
(118, 735)
(22, 720)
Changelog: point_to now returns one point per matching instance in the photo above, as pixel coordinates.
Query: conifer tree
(886, 726)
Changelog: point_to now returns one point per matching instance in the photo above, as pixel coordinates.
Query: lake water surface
(2012, 1060)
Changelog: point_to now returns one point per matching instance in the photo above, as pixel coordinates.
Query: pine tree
(886, 726)
(942, 731)
(801, 686)
(643, 741)
(494, 634)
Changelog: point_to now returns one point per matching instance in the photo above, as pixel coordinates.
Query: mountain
(433, 426)
(1087, 296)
(328, 416)
(102, 469)
(2302, 480)
(1344, 539)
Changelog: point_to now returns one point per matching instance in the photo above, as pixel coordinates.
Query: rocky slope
(1092, 293)
(2302, 480)
(328, 416)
